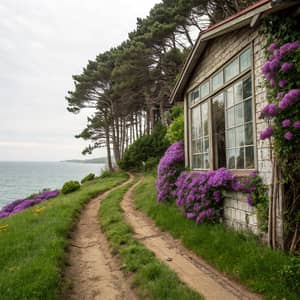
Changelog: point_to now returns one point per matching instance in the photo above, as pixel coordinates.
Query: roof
(247, 17)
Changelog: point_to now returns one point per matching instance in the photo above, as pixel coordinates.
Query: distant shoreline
(100, 160)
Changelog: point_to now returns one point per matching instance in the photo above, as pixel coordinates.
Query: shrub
(151, 164)
(88, 177)
(145, 147)
(175, 131)
(291, 273)
(169, 168)
(70, 186)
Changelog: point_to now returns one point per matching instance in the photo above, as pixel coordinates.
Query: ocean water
(21, 179)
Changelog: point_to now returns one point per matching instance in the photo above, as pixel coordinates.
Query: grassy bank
(241, 257)
(33, 243)
(151, 278)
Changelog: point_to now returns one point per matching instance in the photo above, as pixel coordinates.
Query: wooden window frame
(209, 97)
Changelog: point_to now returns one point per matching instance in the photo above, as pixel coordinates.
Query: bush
(175, 131)
(70, 186)
(147, 146)
(291, 273)
(88, 177)
(151, 163)
(169, 168)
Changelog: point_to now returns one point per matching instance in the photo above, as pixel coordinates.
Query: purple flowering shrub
(282, 75)
(169, 168)
(200, 194)
(20, 205)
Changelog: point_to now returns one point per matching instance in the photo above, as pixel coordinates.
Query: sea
(18, 180)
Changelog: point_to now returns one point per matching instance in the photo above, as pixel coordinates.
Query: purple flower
(272, 82)
(272, 47)
(270, 110)
(288, 136)
(250, 200)
(286, 123)
(282, 83)
(289, 98)
(267, 133)
(285, 67)
(296, 124)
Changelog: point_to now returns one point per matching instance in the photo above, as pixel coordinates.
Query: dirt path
(191, 269)
(92, 272)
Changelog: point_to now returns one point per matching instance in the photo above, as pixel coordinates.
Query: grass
(151, 278)
(241, 256)
(33, 243)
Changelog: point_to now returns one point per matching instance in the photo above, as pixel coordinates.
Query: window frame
(213, 93)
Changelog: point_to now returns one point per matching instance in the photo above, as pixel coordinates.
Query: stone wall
(238, 214)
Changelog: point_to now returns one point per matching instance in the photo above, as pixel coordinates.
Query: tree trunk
(109, 162)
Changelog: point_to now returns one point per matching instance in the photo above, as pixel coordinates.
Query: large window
(221, 114)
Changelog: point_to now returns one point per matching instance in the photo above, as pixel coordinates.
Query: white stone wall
(237, 213)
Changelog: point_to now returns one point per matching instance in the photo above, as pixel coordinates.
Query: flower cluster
(169, 168)
(278, 71)
(200, 194)
(20, 205)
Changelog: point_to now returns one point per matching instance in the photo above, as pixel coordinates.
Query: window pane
(239, 135)
(238, 92)
(204, 109)
(245, 60)
(230, 117)
(195, 122)
(206, 161)
(249, 134)
(194, 145)
(229, 97)
(199, 148)
(218, 123)
(231, 159)
(231, 70)
(240, 158)
(217, 80)
(239, 116)
(206, 145)
(247, 92)
(230, 138)
(204, 89)
(195, 161)
(248, 110)
(200, 161)
(249, 157)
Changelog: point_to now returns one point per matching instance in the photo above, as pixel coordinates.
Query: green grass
(151, 278)
(241, 256)
(33, 246)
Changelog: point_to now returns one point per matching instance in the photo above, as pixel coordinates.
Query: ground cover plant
(17, 206)
(33, 243)
(240, 256)
(151, 278)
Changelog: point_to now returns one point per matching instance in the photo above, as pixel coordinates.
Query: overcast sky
(42, 44)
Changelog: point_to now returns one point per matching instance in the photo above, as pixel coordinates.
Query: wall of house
(237, 213)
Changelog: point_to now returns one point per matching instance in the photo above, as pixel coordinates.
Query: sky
(42, 44)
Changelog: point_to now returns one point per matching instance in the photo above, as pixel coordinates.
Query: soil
(191, 269)
(92, 272)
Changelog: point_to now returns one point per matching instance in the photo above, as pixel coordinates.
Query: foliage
(240, 256)
(169, 168)
(33, 243)
(22, 204)
(70, 186)
(175, 131)
(151, 278)
(282, 78)
(153, 145)
(88, 177)
(291, 274)
(151, 164)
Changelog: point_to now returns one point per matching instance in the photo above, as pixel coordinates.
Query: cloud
(42, 44)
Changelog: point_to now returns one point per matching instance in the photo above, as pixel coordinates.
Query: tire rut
(191, 269)
(92, 272)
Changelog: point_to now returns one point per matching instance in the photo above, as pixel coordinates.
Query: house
(223, 91)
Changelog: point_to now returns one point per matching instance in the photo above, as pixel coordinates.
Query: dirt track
(191, 269)
(92, 272)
